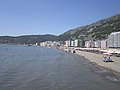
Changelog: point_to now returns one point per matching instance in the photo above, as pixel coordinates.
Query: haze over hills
(28, 39)
(96, 31)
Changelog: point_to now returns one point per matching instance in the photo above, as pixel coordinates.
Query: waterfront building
(97, 44)
(81, 43)
(92, 43)
(36, 44)
(42, 44)
(104, 44)
(89, 44)
(57, 44)
(68, 43)
(76, 43)
(72, 43)
(50, 43)
(114, 40)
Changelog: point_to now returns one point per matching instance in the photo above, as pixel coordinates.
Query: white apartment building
(76, 43)
(114, 40)
(72, 43)
(68, 43)
(104, 44)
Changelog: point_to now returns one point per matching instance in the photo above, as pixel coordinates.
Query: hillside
(28, 39)
(98, 30)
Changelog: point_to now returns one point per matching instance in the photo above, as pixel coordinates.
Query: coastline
(97, 59)
(108, 70)
(94, 61)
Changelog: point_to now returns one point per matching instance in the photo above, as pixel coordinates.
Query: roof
(114, 33)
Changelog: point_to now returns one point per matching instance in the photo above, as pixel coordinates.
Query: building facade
(97, 44)
(114, 40)
(68, 43)
(90, 44)
(76, 43)
(104, 44)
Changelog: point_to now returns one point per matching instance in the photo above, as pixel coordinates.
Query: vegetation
(98, 30)
(28, 39)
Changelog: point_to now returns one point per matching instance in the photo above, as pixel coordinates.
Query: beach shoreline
(94, 61)
(97, 58)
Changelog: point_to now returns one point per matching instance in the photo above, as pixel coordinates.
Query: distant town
(112, 43)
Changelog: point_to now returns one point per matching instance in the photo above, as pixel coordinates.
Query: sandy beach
(98, 59)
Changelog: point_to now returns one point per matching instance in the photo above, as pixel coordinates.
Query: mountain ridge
(97, 30)
(28, 39)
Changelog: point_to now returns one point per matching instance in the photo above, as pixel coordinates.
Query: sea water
(40, 68)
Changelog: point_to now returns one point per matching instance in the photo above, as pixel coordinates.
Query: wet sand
(108, 70)
(98, 59)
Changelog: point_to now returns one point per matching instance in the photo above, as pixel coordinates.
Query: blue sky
(31, 17)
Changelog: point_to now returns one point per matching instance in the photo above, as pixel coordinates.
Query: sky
(38, 17)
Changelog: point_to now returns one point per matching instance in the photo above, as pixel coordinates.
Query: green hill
(98, 30)
(28, 39)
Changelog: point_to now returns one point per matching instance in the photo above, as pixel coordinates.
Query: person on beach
(109, 59)
(104, 58)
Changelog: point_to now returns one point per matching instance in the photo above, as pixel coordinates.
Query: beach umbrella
(107, 54)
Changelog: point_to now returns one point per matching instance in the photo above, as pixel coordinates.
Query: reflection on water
(38, 68)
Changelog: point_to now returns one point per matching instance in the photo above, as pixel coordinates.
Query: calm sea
(39, 68)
